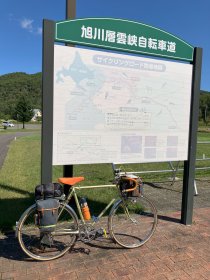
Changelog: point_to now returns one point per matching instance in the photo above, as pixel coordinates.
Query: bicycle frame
(73, 193)
(92, 222)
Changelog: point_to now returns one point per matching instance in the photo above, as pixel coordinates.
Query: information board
(111, 107)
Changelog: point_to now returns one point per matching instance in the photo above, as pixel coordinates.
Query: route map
(111, 107)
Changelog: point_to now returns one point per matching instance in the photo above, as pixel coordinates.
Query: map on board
(110, 107)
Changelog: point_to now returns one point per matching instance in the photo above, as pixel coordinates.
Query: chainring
(86, 233)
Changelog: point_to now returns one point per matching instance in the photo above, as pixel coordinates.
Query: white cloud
(27, 24)
(39, 31)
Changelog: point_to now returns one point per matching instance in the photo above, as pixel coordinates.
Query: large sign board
(110, 107)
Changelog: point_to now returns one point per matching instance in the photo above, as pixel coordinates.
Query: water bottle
(85, 209)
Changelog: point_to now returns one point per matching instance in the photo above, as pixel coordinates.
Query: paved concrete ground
(174, 252)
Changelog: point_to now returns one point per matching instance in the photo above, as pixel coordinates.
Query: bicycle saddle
(70, 181)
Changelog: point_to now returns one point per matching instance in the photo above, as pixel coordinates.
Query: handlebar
(116, 171)
(119, 173)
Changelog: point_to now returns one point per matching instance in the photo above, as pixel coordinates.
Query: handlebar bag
(136, 187)
(47, 214)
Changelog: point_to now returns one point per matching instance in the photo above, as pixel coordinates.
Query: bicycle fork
(127, 213)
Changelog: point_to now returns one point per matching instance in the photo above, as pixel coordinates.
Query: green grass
(18, 176)
(14, 130)
(11, 131)
(21, 173)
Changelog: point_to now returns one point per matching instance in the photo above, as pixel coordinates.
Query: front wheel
(132, 221)
(47, 246)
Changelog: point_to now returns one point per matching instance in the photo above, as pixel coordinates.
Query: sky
(21, 26)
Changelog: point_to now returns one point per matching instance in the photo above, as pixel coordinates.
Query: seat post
(67, 172)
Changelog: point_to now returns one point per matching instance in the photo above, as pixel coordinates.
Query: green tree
(13, 85)
(23, 110)
(204, 106)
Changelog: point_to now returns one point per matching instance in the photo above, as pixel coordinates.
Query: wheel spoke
(133, 222)
(47, 245)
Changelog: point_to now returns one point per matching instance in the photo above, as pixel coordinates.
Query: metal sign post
(47, 100)
(189, 165)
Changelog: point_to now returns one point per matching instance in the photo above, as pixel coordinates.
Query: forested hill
(13, 85)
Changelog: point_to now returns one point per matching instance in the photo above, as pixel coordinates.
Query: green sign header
(123, 35)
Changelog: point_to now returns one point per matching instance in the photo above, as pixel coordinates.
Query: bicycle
(132, 220)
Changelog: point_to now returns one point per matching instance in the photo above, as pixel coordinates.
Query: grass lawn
(21, 173)
(17, 178)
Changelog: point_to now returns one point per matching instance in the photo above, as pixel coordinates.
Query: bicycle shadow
(105, 243)
(10, 248)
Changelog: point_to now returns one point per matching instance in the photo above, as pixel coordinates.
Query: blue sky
(21, 26)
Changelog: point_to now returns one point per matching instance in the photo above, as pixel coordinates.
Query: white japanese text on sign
(122, 38)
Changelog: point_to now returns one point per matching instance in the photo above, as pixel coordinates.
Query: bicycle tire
(29, 235)
(136, 228)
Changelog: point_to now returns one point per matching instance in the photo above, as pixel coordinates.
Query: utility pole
(70, 9)
(70, 14)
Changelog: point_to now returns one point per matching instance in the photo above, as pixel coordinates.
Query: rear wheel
(132, 221)
(47, 246)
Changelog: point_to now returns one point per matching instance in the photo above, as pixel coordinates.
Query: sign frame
(47, 130)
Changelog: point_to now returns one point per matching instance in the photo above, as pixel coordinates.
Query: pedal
(101, 232)
(105, 234)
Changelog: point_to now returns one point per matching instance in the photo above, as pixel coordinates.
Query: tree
(204, 106)
(13, 85)
(23, 110)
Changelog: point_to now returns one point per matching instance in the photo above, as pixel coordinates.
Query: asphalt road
(5, 140)
(27, 126)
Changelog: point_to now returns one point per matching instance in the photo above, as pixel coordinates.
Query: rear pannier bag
(47, 214)
(50, 190)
